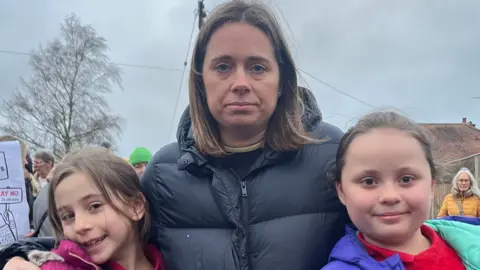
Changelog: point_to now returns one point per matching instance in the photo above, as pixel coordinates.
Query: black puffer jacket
(285, 217)
(292, 219)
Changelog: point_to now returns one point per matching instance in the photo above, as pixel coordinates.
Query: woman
(245, 186)
(465, 197)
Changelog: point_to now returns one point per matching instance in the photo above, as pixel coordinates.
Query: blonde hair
(111, 175)
(285, 130)
(24, 150)
(472, 190)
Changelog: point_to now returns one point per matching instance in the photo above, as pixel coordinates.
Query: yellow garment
(470, 205)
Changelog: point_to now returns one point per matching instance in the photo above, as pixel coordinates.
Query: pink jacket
(68, 256)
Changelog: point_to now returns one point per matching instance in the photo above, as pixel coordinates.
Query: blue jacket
(463, 234)
(469, 220)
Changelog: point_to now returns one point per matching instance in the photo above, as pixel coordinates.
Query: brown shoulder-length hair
(285, 131)
(112, 175)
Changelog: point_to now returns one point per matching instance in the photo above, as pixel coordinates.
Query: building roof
(454, 141)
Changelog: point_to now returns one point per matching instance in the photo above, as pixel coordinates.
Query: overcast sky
(422, 57)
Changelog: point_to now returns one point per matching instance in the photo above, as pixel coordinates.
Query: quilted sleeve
(22, 248)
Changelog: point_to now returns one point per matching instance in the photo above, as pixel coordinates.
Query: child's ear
(137, 208)
(340, 193)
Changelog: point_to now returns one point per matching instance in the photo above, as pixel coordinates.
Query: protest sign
(14, 221)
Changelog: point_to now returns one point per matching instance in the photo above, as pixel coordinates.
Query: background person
(464, 200)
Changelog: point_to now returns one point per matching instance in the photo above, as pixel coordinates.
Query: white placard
(14, 220)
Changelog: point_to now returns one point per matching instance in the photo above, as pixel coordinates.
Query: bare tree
(62, 105)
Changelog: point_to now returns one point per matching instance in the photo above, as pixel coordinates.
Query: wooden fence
(441, 190)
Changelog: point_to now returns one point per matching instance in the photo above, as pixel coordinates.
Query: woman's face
(241, 76)
(463, 182)
(42, 167)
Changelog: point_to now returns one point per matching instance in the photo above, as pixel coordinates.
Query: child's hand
(18, 263)
(29, 234)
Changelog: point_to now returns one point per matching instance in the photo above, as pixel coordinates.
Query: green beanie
(140, 155)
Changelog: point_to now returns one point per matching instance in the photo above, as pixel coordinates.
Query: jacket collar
(351, 251)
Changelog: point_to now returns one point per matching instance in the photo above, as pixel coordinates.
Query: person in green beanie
(139, 159)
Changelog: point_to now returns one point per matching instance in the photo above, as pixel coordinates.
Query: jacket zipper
(244, 189)
(83, 260)
(243, 186)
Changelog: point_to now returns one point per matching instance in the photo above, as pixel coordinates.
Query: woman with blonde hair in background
(464, 200)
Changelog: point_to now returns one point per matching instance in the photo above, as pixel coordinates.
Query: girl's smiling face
(89, 220)
(386, 186)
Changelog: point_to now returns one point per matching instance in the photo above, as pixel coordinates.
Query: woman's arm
(21, 249)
